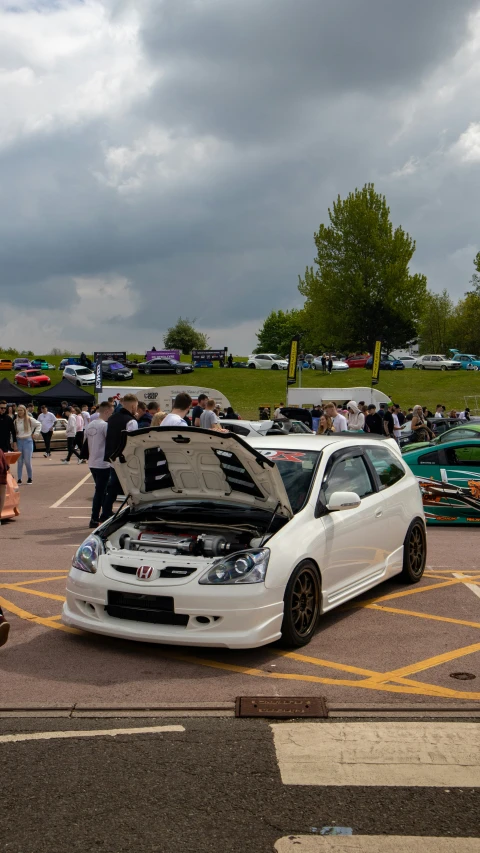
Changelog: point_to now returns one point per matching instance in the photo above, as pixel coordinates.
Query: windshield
(297, 468)
(115, 365)
(276, 356)
(34, 373)
(83, 371)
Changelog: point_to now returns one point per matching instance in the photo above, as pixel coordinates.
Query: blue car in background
(467, 360)
(387, 362)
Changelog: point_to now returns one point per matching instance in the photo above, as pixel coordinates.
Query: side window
(389, 469)
(432, 458)
(259, 356)
(467, 455)
(349, 474)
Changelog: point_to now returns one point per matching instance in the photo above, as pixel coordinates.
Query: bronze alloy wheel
(414, 552)
(302, 605)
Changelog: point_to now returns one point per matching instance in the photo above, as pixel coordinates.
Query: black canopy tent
(12, 394)
(64, 390)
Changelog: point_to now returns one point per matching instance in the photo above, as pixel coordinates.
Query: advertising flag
(98, 373)
(292, 361)
(376, 362)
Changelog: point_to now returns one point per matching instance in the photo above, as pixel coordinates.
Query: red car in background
(357, 360)
(32, 378)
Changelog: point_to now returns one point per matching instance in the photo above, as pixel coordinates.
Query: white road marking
(92, 733)
(440, 755)
(472, 586)
(71, 492)
(375, 844)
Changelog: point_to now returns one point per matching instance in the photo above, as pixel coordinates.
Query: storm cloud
(171, 157)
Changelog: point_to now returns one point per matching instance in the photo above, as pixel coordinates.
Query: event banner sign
(376, 362)
(99, 357)
(208, 354)
(292, 360)
(110, 356)
(162, 353)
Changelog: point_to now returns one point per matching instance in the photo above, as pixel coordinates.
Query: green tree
(476, 275)
(185, 337)
(362, 288)
(278, 330)
(437, 324)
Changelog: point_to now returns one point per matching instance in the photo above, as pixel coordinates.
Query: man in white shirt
(95, 436)
(181, 405)
(48, 421)
(71, 435)
(277, 415)
(339, 421)
(85, 416)
(439, 411)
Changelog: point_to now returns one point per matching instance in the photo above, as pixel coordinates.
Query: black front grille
(156, 609)
(168, 572)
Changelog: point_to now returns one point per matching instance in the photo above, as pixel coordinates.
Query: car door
(437, 362)
(461, 465)
(350, 558)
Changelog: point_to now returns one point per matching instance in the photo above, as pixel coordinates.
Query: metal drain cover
(275, 706)
(463, 676)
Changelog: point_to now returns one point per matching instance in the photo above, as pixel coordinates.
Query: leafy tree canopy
(279, 329)
(361, 289)
(185, 337)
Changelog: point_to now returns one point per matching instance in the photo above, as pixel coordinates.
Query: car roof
(305, 441)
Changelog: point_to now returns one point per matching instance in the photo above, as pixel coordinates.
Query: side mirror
(343, 500)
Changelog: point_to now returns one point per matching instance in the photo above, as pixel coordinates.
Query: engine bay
(188, 540)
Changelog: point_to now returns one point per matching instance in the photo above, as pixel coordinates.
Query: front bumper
(241, 617)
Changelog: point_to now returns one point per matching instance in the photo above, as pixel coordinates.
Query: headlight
(243, 567)
(87, 555)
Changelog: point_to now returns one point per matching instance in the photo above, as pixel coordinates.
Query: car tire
(274, 367)
(148, 370)
(443, 367)
(77, 383)
(301, 609)
(252, 366)
(313, 366)
(414, 552)
(29, 384)
(421, 367)
(178, 370)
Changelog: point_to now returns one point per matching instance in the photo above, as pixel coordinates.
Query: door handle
(378, 513)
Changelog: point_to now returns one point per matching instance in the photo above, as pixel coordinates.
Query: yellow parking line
(342, 667)
(371, 673)
(472, 578)
(39, 580)
(424, 690)
(429, 663)
(40, 594)
(391, 595)
(47, 622)
(425, 616)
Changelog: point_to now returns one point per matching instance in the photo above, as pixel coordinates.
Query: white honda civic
(236, 544)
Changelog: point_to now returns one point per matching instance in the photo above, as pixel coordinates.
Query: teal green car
(449, 478)
(454, 434)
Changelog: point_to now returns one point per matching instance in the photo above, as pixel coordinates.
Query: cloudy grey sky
(173, 157)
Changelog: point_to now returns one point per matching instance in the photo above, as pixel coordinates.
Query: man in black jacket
(8, 437)
(373, 421)
(123, 419)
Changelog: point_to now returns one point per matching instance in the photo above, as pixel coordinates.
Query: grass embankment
(249, 389)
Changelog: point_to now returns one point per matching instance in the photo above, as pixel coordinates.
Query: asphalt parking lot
(395, 645)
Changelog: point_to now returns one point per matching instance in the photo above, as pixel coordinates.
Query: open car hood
(167, 463)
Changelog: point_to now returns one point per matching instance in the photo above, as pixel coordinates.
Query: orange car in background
(5, 364)
(12, 499)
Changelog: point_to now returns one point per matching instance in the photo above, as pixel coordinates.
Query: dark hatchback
(387, 362)
(164, 365)
(116, 370)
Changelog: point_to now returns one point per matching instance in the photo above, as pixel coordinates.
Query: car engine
(200, 544)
